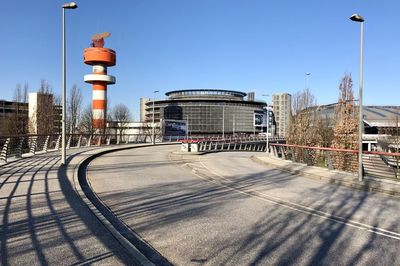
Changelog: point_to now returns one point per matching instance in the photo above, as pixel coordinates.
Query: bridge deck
(44, 222)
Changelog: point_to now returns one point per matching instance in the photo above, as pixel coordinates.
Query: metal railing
(18, 146)
(234, 143)
(375, 163)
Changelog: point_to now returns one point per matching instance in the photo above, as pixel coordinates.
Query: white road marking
(299, 207)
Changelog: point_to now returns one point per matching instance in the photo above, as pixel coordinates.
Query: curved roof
(207, 92)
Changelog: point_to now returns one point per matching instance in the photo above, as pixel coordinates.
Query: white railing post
(4, 151)
(46, 143)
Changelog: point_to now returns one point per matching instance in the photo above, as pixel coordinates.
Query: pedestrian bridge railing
(379, 164)
(26, 145)
(243, 143)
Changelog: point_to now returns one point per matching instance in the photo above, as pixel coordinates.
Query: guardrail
(232, 143)
(25, 145)
(375, 163)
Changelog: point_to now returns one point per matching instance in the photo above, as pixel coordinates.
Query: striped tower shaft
(99, 103)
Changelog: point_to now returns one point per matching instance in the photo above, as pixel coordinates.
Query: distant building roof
(382, 116)
(374, 115)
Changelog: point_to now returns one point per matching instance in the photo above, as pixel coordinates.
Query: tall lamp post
(267, 149)
(308, 80)
(70, 5)
(359, 18)
(223, 121)
(153, 125)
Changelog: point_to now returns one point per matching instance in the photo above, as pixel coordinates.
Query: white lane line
(301, 208)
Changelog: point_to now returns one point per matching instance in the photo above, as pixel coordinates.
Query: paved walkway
(387, 186)
(43, 220)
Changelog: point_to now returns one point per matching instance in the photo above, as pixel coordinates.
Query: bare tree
(121, 116)
(74, 108)
(304, 124)
(86, 122)
(17, 122)
(346, 126)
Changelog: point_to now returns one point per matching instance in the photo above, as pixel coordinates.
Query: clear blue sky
(248, 45)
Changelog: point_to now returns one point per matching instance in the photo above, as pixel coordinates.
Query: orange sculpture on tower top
(99, 58)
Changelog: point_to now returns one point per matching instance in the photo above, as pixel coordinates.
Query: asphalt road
(225, 209)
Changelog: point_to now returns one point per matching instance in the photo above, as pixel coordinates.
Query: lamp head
(70, 5)
(357, 18)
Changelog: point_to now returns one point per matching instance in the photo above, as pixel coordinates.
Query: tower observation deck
(99, 58)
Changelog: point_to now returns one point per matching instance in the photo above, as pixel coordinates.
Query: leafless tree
(304, 124)
(74, 104)
(147, 130)
(346, 126)
(86, 122)
(121, 116)
(17, 122)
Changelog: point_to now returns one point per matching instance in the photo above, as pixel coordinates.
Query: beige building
(282, 103)
(44, 116)
(143, 111)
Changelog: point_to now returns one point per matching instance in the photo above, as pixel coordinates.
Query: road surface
(225, 209)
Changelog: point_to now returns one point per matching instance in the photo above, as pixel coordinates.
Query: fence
(375, 163)
(17, 146)
(233, 143)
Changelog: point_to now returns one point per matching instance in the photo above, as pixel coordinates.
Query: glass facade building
(208, 111)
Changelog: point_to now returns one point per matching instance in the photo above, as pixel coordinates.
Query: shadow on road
(278, 233)
(45, 222)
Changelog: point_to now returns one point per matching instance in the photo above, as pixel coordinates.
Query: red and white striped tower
(99, 58)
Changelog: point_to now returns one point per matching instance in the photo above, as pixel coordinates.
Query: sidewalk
(387, 186)
(43, 219)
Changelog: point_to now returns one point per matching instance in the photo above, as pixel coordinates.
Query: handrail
(335, 149)
(19, 145)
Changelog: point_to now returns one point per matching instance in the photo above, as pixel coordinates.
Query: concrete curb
(340, 178)
(131, 249)
(188, 153)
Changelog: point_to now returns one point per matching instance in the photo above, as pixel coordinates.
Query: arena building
(211, 111)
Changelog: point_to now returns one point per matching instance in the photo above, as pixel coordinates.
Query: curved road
(225, 209)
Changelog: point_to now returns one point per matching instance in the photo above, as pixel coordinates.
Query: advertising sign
(260, 119)
(174, 127)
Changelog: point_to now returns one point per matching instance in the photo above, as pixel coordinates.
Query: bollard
(194, 147)
(185, 147)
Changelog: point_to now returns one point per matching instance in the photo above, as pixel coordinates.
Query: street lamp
(359, 18)
(308, 80)
(153, 125)
(267, 150)
(223, 121)
(70, 5)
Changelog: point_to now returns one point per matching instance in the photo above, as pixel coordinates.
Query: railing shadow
(45, 222)
(306, 230)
